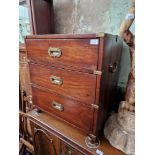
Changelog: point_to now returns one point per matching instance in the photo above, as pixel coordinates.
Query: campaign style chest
(74, 77)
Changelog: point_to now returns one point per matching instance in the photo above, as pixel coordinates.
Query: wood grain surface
(73, 112)
(69, 135)
(78, 53)
(75, 85)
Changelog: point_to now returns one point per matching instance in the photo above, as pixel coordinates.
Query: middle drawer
(75, 85)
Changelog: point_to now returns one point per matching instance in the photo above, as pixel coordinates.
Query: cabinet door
(68, 150)
(45, 143)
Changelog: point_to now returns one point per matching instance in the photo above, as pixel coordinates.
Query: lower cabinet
(54, 137)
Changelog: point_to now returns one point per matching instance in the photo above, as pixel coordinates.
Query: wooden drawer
(76, 113)
(79, 53)
(76, 85)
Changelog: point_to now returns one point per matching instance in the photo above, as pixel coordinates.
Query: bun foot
(38, 110)
(91, 141)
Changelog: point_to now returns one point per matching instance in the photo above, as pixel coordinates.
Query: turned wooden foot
(91, 141)
(38, 110)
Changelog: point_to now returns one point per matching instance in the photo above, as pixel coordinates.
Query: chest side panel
(107, 82)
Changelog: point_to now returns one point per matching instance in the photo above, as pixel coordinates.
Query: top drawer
(76, 53)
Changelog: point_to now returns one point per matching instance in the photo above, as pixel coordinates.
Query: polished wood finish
(66, 138)
(74, 52)
(110, 50)
(74, 84)
(43, 16)
(87, 76)
(44, 143)
(44, 100)
(64, 36)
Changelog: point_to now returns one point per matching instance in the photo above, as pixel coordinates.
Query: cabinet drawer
(78, 53)
(71, 111)
(76, 85)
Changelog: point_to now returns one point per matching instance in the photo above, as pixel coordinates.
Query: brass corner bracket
(96, 72)
(95, 106)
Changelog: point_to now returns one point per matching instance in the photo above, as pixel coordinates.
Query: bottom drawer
(76, 113)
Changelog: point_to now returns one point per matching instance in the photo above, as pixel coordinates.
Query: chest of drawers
(74, 77)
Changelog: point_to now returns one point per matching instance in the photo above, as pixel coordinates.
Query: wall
(91, 16)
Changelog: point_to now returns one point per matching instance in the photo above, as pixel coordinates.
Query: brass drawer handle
(54, 52)
(56, 80)
(57, 106)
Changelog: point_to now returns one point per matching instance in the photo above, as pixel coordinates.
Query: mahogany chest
(74, 77)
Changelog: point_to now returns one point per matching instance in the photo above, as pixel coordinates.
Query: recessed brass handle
(57, 106)
(54, 52)
(56, 80)
(113, 67)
